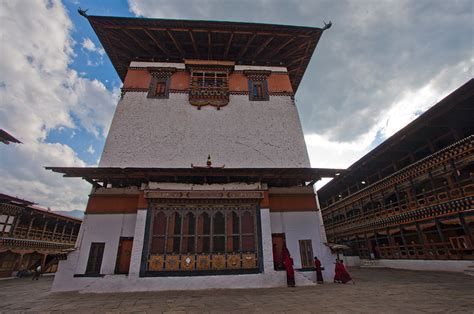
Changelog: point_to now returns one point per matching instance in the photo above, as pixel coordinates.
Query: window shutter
(265, 92)
(250, 83)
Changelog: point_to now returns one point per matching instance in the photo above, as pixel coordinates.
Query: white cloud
(89, 45)
(39, 92)
(90, 150)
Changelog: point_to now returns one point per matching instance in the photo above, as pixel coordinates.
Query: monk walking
(319, 273)
(345, 277)
(290, 272)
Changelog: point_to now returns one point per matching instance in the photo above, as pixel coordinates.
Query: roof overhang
(7, 138)
(278, 177)
(128, 39)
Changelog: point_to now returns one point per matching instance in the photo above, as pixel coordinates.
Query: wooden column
(29, 227)
(43, 262)
(64, 230)
(44, 229)
(465, 228)
(54, 230)
(441, 235)
(413, 192)
(404, 241)
(420, 237)
(72, 232)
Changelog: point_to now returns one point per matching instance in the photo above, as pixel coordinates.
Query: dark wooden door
(95, 258)
(278, 241)
(123, 256)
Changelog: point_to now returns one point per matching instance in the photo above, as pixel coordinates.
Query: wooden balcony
(40, 235)
(15, 243)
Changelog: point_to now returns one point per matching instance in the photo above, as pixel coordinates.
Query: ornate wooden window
(160, 81)
(203, 237)
(258, 85)
(209, 87)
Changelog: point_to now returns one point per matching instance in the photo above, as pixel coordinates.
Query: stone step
(302, 280)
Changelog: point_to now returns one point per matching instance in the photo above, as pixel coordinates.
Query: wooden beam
(95, 184)
(277, 50)
(138, 42)
(263, 46)
(305, 56)
(228, 45)
(297, 60)
(247, 45)
(294, 49)
(176, 43)
(194, 43)
(155, 40)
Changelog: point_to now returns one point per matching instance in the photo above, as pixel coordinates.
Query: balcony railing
(424, 199)
(40, 235)
(36, 244)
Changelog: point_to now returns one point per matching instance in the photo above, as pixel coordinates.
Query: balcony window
(209, 88)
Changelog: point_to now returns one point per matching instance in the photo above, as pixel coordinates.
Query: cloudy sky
(381, 65)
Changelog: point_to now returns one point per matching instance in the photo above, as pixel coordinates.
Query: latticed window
(204, 237)
(158, 87)
(209, 88)
(258, 90)
(212, 231)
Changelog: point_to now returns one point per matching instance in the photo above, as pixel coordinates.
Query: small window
(158, 88)
(95, 258)
(306, 251)
(6, 223)
(258, 90)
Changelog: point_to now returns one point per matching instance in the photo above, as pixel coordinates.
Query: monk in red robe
(345, 277)
(290, 272)
(319, 273)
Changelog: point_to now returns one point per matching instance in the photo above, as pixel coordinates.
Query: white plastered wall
(173, 133)
(304, 225)
(107, 228)
(65, 281)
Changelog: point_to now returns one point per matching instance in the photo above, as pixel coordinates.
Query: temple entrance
(278, 242)
(203, 236)
(124, 255)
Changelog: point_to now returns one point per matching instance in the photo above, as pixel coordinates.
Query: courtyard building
(204, 179)
(31, 235)
(409, 203)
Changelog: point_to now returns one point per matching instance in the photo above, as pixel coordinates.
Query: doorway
(278, 243)
(124, 255)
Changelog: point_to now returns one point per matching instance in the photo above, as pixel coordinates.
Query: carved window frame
(258, 78)
(160, 76)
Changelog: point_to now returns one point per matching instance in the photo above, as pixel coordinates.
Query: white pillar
(138, 240)
(267, 248)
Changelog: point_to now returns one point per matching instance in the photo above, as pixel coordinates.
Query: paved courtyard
(377, 290)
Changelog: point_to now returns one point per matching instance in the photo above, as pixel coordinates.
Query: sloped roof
(127, 39)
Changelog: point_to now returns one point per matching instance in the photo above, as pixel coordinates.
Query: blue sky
(382, 64)
(90, 65)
